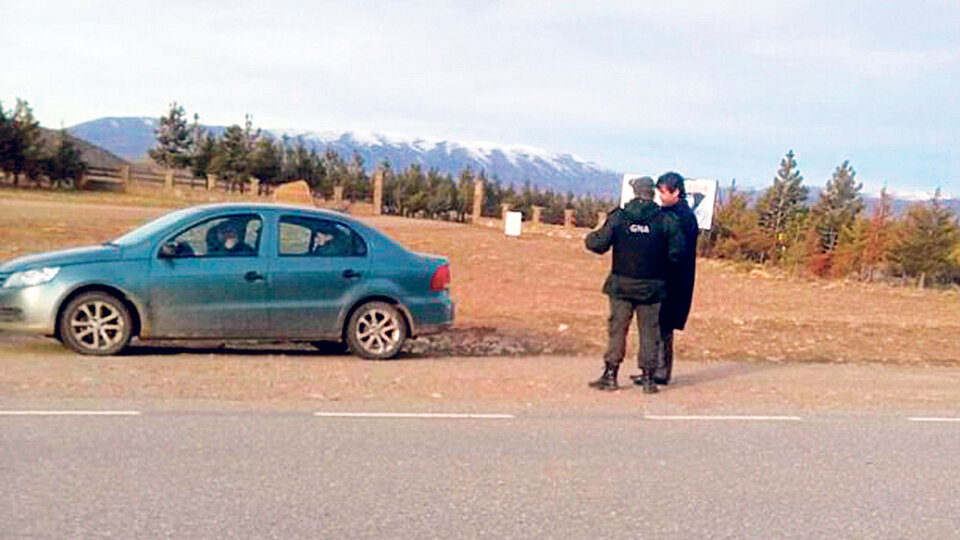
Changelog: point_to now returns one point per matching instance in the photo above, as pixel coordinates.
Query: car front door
(209, 281)
(319, 264)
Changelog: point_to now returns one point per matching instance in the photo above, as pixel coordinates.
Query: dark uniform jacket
(645, 241)
(680, 275)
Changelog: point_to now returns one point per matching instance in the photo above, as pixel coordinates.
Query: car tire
(96, 323)
(376, 331)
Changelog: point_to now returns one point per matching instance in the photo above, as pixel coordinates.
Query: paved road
(296, 475)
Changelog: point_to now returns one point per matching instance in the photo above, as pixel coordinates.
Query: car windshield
(149, 229)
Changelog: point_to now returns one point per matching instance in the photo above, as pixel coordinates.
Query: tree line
(28, 152)
(835, 236)
(244, 152)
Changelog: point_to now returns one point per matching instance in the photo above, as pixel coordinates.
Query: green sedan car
(232, 271)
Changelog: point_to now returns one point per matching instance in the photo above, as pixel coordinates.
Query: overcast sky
(719, 89)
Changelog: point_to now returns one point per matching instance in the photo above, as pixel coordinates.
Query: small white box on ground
(513, 223)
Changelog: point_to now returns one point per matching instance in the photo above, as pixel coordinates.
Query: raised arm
(600, 240)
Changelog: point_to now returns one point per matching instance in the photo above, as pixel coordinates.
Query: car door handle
(253, 276)
(350, 273)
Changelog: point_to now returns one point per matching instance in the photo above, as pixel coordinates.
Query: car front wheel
(95, 323)
(376, 331)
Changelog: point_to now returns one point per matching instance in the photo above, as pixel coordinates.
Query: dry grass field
(544, 288)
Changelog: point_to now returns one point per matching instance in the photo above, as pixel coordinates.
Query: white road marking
(409, 415)
(722, 417)
(932, 419)
(69, 413)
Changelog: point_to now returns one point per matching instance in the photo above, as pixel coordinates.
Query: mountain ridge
(132, 137)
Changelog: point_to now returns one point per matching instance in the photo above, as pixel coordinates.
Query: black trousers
(648, 328)
(665, 360)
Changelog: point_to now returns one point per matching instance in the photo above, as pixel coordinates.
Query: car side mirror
(168, 250)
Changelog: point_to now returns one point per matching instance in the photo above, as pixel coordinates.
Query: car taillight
(441, 278)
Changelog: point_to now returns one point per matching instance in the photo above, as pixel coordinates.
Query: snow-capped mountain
(132, 137)
(511, 164)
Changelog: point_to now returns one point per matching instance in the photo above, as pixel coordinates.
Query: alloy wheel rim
(378, 331)
(97, 325)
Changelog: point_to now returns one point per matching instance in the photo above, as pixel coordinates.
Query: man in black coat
(680, 275)
(645, 240)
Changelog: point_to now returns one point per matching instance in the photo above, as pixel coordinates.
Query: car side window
(318, 238)
(226, 236)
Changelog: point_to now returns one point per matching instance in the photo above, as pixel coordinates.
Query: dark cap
(642, 188)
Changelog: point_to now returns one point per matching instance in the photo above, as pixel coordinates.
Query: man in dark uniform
(680, 275)
(644, 241)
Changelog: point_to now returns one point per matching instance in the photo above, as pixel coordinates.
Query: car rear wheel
(376, 331)
(95, 323)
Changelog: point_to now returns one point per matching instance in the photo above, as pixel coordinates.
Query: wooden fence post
(211, 182)
(601, 218)
(504, 208)
(254, 187)
(477, 199)
(337, 194)
(568, 218)
(378, 192)
(168, 180)
(535, 221)
(125, 172)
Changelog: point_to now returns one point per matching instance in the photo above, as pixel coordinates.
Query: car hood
(90, 254)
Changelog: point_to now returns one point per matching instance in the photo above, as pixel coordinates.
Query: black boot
(607, 381)
(647, 383)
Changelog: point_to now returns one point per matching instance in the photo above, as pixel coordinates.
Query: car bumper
(432, 317)
(28, 309)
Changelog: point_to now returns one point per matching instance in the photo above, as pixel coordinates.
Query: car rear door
(320, 264)
(208, 289)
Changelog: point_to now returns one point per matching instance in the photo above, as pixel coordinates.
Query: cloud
(727, 83)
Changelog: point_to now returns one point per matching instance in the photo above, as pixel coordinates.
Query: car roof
(255, 206)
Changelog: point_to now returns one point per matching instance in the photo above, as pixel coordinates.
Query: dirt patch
(487, 341)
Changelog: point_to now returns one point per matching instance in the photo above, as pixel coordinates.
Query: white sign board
(701, 196)
(513, 223)
(626, 190)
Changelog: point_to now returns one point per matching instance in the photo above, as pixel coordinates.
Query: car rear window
(303, 236)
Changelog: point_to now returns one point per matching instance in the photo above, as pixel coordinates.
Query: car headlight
(28, 278)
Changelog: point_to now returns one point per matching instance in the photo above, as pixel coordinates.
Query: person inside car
(225, 240)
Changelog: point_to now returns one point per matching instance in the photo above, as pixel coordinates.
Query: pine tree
(336, 172)
(847, 258)
(865, 246)
(7, 143)
(358, 186)
(465, 190)
(231, 161)
(299, 163)
(929, 238)
(736, 234)
(879, 239)
(782, 203)
(838, 207)
(172, 148)
(202, 156)
(201, 148)
(63, 165)
(27, 151)
(266, 162)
